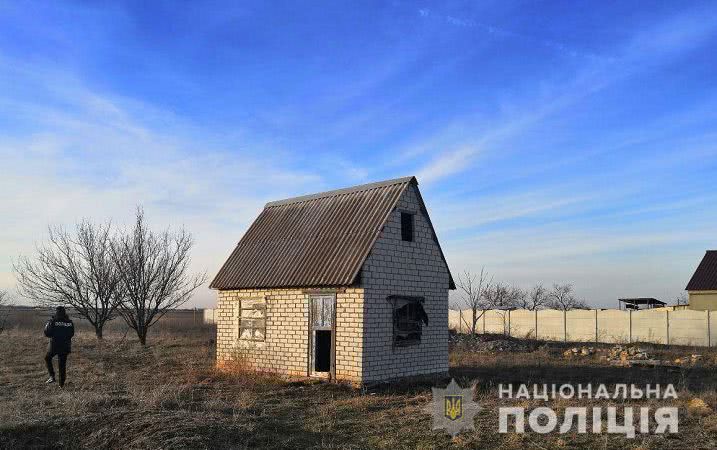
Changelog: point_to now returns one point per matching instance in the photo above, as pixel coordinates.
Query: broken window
(408, 319)
(252, 319)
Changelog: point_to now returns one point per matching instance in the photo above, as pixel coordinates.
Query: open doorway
(321, 335)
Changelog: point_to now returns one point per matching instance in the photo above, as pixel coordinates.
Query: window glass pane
(322, 311)
(252, 320)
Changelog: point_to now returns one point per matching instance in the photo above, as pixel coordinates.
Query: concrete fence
(660, 326)
(208, 316)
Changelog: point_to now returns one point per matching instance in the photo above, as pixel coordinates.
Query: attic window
(407, 227)
(408, 319)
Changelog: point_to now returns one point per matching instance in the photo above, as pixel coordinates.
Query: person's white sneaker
(50, 380)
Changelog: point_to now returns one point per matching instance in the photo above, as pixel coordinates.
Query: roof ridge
(341, 191)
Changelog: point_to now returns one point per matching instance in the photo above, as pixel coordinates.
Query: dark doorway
(322, 360)
(321, 345)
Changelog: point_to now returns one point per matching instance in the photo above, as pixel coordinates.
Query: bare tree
(4, 309)
(535, 299)
(518, 297)
(154, 274)
(562, 297)
(76, 270)
(473, 288)
(498, 296)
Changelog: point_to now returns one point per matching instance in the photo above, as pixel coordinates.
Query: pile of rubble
(620, 353)
(617, 355)
(582, 351)
(691, 359)
(491, 343)
(631, 356)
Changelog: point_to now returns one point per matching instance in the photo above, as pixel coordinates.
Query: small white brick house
(349, 285)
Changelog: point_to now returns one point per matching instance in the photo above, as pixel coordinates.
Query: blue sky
(552, 141)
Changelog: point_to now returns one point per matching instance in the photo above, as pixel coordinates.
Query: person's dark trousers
(61, 363)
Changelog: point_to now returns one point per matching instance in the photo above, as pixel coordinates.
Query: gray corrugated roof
(705, 277)
(313, 240)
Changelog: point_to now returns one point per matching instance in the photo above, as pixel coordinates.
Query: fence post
(508, 323)
(630, 338)
(709, 332)
(536, 324)
(667, 321)
(596, 326)
(565, 326)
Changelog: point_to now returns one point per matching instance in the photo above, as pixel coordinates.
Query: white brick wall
(395, 267)
(285, 349)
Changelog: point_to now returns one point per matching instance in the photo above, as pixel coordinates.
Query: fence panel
(496, 321)
(649, 326)
(613, 326)
(551, 325)
(688, 328)
(659, 326)
(580, 325)
(522, 323)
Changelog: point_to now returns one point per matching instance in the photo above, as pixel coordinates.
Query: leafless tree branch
(74, 269)
(154, 275)
(534, 299)
(472, 288)
(562, 297)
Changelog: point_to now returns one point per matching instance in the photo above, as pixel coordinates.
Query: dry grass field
(168, 395)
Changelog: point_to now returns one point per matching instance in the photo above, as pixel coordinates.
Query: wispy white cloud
(646, 49)
(99, 156)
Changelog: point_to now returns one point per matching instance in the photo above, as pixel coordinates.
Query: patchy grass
(120, 395)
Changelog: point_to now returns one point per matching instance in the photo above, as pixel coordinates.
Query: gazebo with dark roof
(635, 303)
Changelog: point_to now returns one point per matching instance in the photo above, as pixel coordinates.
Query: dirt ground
(120, 395)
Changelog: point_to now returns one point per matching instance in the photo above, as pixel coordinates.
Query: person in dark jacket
(60, 330)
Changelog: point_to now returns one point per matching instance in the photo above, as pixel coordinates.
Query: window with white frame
(252, 319)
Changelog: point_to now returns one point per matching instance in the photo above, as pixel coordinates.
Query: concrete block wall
(522, 323)
(580, 325)
(495, 321)
(689, 327)
(285, 349)
(396, 267)
(660, 325)
(551, 325)
(649, 326)
(613, 326)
